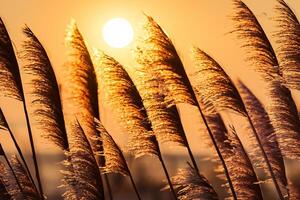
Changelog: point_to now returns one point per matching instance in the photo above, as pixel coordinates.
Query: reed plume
(10, 184)
(82, 178)
(164, 122)
(11, 86)
(281, 107)
(115, 161)
(216, 86)
(118, 87)
(81, 91)
(113, 76)
(288, 39)
(231, 91)
(242, 176)
(81, 95)
(241, 170)
(28, 189)
(285, 120)
(157, 53)
(46, 95)
(192, 185)
(259, 49)
(265, 130)
(4, 126)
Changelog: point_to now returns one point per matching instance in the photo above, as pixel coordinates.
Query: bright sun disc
(117, 32)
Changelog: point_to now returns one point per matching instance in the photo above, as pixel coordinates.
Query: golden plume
(157, 53)
(266, 132)
(81, 178)
(288, 39)
(192, 185)
(11, 84)
(28, 188)
(214, 85)
(281, 107)
(118, 87)
(46, 96)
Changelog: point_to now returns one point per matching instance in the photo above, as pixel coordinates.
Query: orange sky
(203, 23)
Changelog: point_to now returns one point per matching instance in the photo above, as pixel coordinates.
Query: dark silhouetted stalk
(22, 157)
(167, 175)
(36, 166)
(266, 159)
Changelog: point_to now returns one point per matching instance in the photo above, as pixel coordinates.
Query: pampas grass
(49, 112)
(192, 185)
(144, 99)
(261, 55)
(11, 86)
(116, 86)
(288, 38)
(82, 178)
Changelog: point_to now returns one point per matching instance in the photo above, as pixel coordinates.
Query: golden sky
(202, 23)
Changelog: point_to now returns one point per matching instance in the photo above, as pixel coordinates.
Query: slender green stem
(36, 167)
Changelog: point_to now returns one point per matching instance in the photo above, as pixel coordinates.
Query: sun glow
(117, 33)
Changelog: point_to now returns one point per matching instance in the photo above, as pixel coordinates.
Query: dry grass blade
(47, 100)
(284, 117)
(114, 159)
(265, 130)
(192, 185)
(118, 87)
(259, 49)
(288, 38)
(82, 178)
(10, 84)
(28, 189)
(215, 85)
(157, 53)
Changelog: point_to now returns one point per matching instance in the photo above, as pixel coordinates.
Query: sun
(117, 32)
